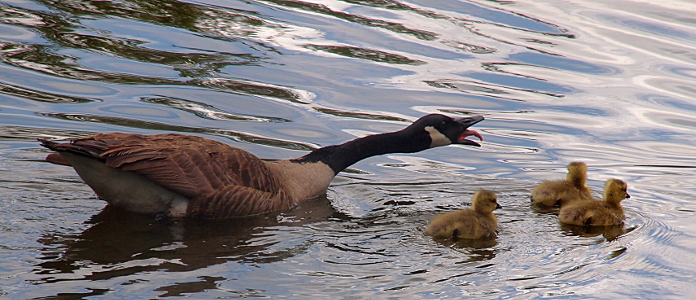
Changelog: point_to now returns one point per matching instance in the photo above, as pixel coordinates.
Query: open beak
(466, 123)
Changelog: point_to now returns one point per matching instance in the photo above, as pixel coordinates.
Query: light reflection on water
(607, 84)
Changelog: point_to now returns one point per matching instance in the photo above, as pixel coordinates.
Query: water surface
(610, 84)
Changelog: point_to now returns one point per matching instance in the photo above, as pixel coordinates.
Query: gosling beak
(466, 123)
(497, 206)
(628, 196)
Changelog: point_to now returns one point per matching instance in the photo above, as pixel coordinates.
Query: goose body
(474, 223)
(562, 192)
(598, 212)
(190, 176)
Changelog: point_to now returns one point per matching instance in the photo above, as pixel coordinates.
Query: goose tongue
(462, 138)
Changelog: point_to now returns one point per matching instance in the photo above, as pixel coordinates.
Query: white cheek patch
(438, 139)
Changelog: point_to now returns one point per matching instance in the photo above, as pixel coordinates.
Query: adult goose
(189, 176)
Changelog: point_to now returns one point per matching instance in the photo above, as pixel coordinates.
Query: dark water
(611, 84)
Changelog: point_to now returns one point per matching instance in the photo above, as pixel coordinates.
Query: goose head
(577, 173)
(615, 190)
(443, 130)
(485, 201)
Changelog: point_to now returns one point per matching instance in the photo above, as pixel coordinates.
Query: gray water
(610, 83)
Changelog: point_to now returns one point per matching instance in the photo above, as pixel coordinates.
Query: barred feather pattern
(248, 201)
(220, 180)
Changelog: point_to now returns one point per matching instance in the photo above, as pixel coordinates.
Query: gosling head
(577, 173)
(615, 190)
(485, 201)
(443, 130)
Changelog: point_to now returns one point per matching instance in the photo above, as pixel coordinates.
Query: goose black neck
(339, 157)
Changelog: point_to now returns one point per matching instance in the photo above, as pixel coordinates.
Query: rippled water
(610, 83)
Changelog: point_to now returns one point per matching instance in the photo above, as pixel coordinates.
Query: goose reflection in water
(121, 243)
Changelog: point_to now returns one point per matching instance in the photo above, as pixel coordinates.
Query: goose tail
(54, 158)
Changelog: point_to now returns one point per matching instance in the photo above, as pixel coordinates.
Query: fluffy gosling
(598, 212)
(473, 223)
(562, 192)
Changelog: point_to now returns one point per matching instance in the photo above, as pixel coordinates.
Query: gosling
(562, 192)
(473, 223)
(597, 212)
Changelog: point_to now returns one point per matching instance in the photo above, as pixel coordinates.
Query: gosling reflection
(610, 232)
(478, 222)
(475, 246)
(121, 243)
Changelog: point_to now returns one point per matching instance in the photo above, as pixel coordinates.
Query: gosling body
(598, 212)
(477, 222)
(562, 192)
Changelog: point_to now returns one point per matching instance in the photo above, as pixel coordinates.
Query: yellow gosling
(562, 192)
(473, 223)
(598, 212)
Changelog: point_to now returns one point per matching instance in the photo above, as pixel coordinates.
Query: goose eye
(443, 125)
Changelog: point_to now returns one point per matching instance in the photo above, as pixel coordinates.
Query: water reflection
(207, 111)
(358, 19)
(254, 88)
(479, 249)
(135, 123)
(368, 54)
(563, 63)
(358, 115)
(120, 243)
(196, 63)
(41, 96)
(610, 233)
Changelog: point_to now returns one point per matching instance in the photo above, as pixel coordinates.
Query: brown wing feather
(234, 201)
(189, 165)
